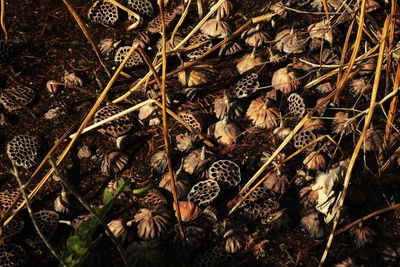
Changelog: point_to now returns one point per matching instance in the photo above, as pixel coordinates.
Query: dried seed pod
(225, 172)
(312, 224)
(235, 241)
(47, 221)
(224, 10)
(154, 26)
(16, 97)
(182, 186)
(225, 132)
(103, 12)
(84, 152)
(277, 182)
(114, 128)
(134, 60)
(247, 85)
(12, 255)
(255, 37)
(119, 229)
(290, 42)
(142, 7)
(373, 139)
(198, 39)
(196, 161)
(260, 204)
(194, 120)
(107, 45)
(159, 161)
(204, 192)
(285, 80)
(62, 203)
(348, 262)
(189, 211)
(230, 48)
(152, 224)
(223, 107)
(114, 162)
(150, 113)
(359, 87)
(296, 105)
(185, 142)
(282, 132)
(261, 115)
(170, 44)
(146, 254)
(211, 213)
(152, 199)
(8, 197)
(315, 161)
(249, 62)
(278, 9)
(196, 75)
(23, 151)
(341, 123)
(363, 235)
(303, 138)
(13, 228)
(314, 125)
(70, 79)
(216, 28)
(321, 30)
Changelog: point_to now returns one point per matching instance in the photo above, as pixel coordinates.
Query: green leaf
(107, 196)
(74, 244)
(140, 191)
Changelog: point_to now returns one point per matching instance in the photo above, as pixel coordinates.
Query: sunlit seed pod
(246, 85)
(226, 173)
(204, 192)
(261, 115)
(185, 142)
(114, 162)
(290, 41)
(114, 128)
(360, 86)
(182, 186)
(119, 228)
(216, 28)
(249, 62)
(225, 132)
(194, 120)
(224, 107)
(142, 7)
(189, 211)
(196, 161)
(321, 30)
(260, 204)
(315, 161)
(255, 37)
(343, 124)
(151, 200)
(196, 75)
(235, 241)
(303, 138)
(159, 161)
(103, 12)
(230, 48)
(363, 235)
(23, 151)
(155, 25)
(152, 224)
(203, 43)
(312, 224)
(134, 60)
(285, 80)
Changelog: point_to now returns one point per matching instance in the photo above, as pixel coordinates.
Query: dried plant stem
(130, 12)
(326, 9)
(114, 117)
(150, 65)
(90, 209)
(82, 126)
(6, 216)
(392, 110)
(181, 20)
(32, 216)
(2, 21)
(390, 44)
(165, 122)
(361, 138)
(340, 85)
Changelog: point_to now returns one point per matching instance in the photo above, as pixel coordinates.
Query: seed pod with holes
(47, 221)
(12, 229)
(12, 255)
(247, 85)
(203, 41)
(225, 172)
(297, 108)
(142, 7)
(193, 119)
(103, 12)
(116, 127)
(134, 60)
(16, 97)
(304, 137)
(23, 151)
(204, 192)
(260, 204)
(152, 199)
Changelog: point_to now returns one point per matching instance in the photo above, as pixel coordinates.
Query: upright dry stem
(2, 20)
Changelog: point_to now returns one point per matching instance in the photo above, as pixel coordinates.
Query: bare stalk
(2, 21)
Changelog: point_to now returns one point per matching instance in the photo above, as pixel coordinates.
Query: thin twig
(34, 222)
(165, 122)
(2, 21)
(72, 190)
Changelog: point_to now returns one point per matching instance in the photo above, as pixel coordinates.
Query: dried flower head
(285, 80)
(277, 182)
(363, 235)
(70, 79)
(255, 37)
(373, 139)
(249, 62)
(203, 43)
(290, 42)
(360, 86)
(321, 30)
(170, 17)
(216, 28)
(152, 224)
(312, 224)
(119, 228)
(159, 161)
(150, 113)
(261, 115)
(235, 240)
(341, 123)
(196, 75)
(152, 199)
(315, 161)
(113, 162)
(189, 211)
(182, 186)
(196, 161)
(107, 45)
(224, 131)
(185, 142)
(230, 48)
(224, 107)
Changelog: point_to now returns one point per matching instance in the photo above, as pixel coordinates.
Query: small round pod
(116, 127)
(290, 41)
(16, 97)
(297, 108)
(226, 173)
(103, 12)
(47, 221)
(204, 192)
(13, 228)
(152, 199)
(151, 224)
(182, 185)
(261, 115)
(246, 85)
(134, 61)
(12, 255)
(255, 37)
(260, 204)
(23, 151)
(142, 7)
(303, 138)
(194, 120)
